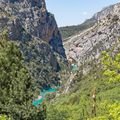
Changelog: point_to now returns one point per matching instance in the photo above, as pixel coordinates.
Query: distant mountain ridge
(104, 34)
(68, 31)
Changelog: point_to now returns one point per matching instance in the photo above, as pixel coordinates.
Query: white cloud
(85, 13)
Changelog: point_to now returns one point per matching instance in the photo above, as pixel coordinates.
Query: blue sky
(73, 12)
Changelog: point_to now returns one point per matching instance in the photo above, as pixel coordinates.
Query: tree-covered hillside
(95, 96)
(72, 30)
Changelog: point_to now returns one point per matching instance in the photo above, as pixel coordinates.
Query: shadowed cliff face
(29, 19)
(28, 23)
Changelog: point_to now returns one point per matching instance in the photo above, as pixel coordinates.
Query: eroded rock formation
(105, 34)
(27, 19)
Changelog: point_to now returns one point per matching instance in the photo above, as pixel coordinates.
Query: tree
(17, 89)
(111, 72)
(4, 117)
(113, 112)
(111, 67)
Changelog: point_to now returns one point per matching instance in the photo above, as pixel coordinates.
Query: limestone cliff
(29, 19)
(88, 44)
(34, 29)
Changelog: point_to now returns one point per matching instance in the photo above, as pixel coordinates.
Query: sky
(74, 12)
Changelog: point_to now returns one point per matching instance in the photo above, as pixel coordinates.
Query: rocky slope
(87, 45)
(27, 19)
(34, 29)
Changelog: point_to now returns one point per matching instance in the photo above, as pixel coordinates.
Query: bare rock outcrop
(34, 29)
(105, 34)
(29, 19)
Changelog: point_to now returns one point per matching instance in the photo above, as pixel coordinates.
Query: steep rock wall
(27, 19)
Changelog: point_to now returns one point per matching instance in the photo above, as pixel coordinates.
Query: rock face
(34, 29)
(29, 19)
(88, 44)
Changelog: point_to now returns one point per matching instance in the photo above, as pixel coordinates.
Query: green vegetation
(4, 117)
(72, 30)
(95, 96)
(17, 87)
(25, 68)
(41, 62)
(103, 81)
(113, 112)
(111, 67)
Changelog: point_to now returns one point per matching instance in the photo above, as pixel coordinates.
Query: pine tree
(17, 90)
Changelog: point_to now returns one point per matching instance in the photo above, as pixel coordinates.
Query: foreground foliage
(111, 67)
(17, 89)
(78, 105)
(4, 117)
(113, 111)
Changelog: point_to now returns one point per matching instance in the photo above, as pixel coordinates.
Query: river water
(43, 93)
